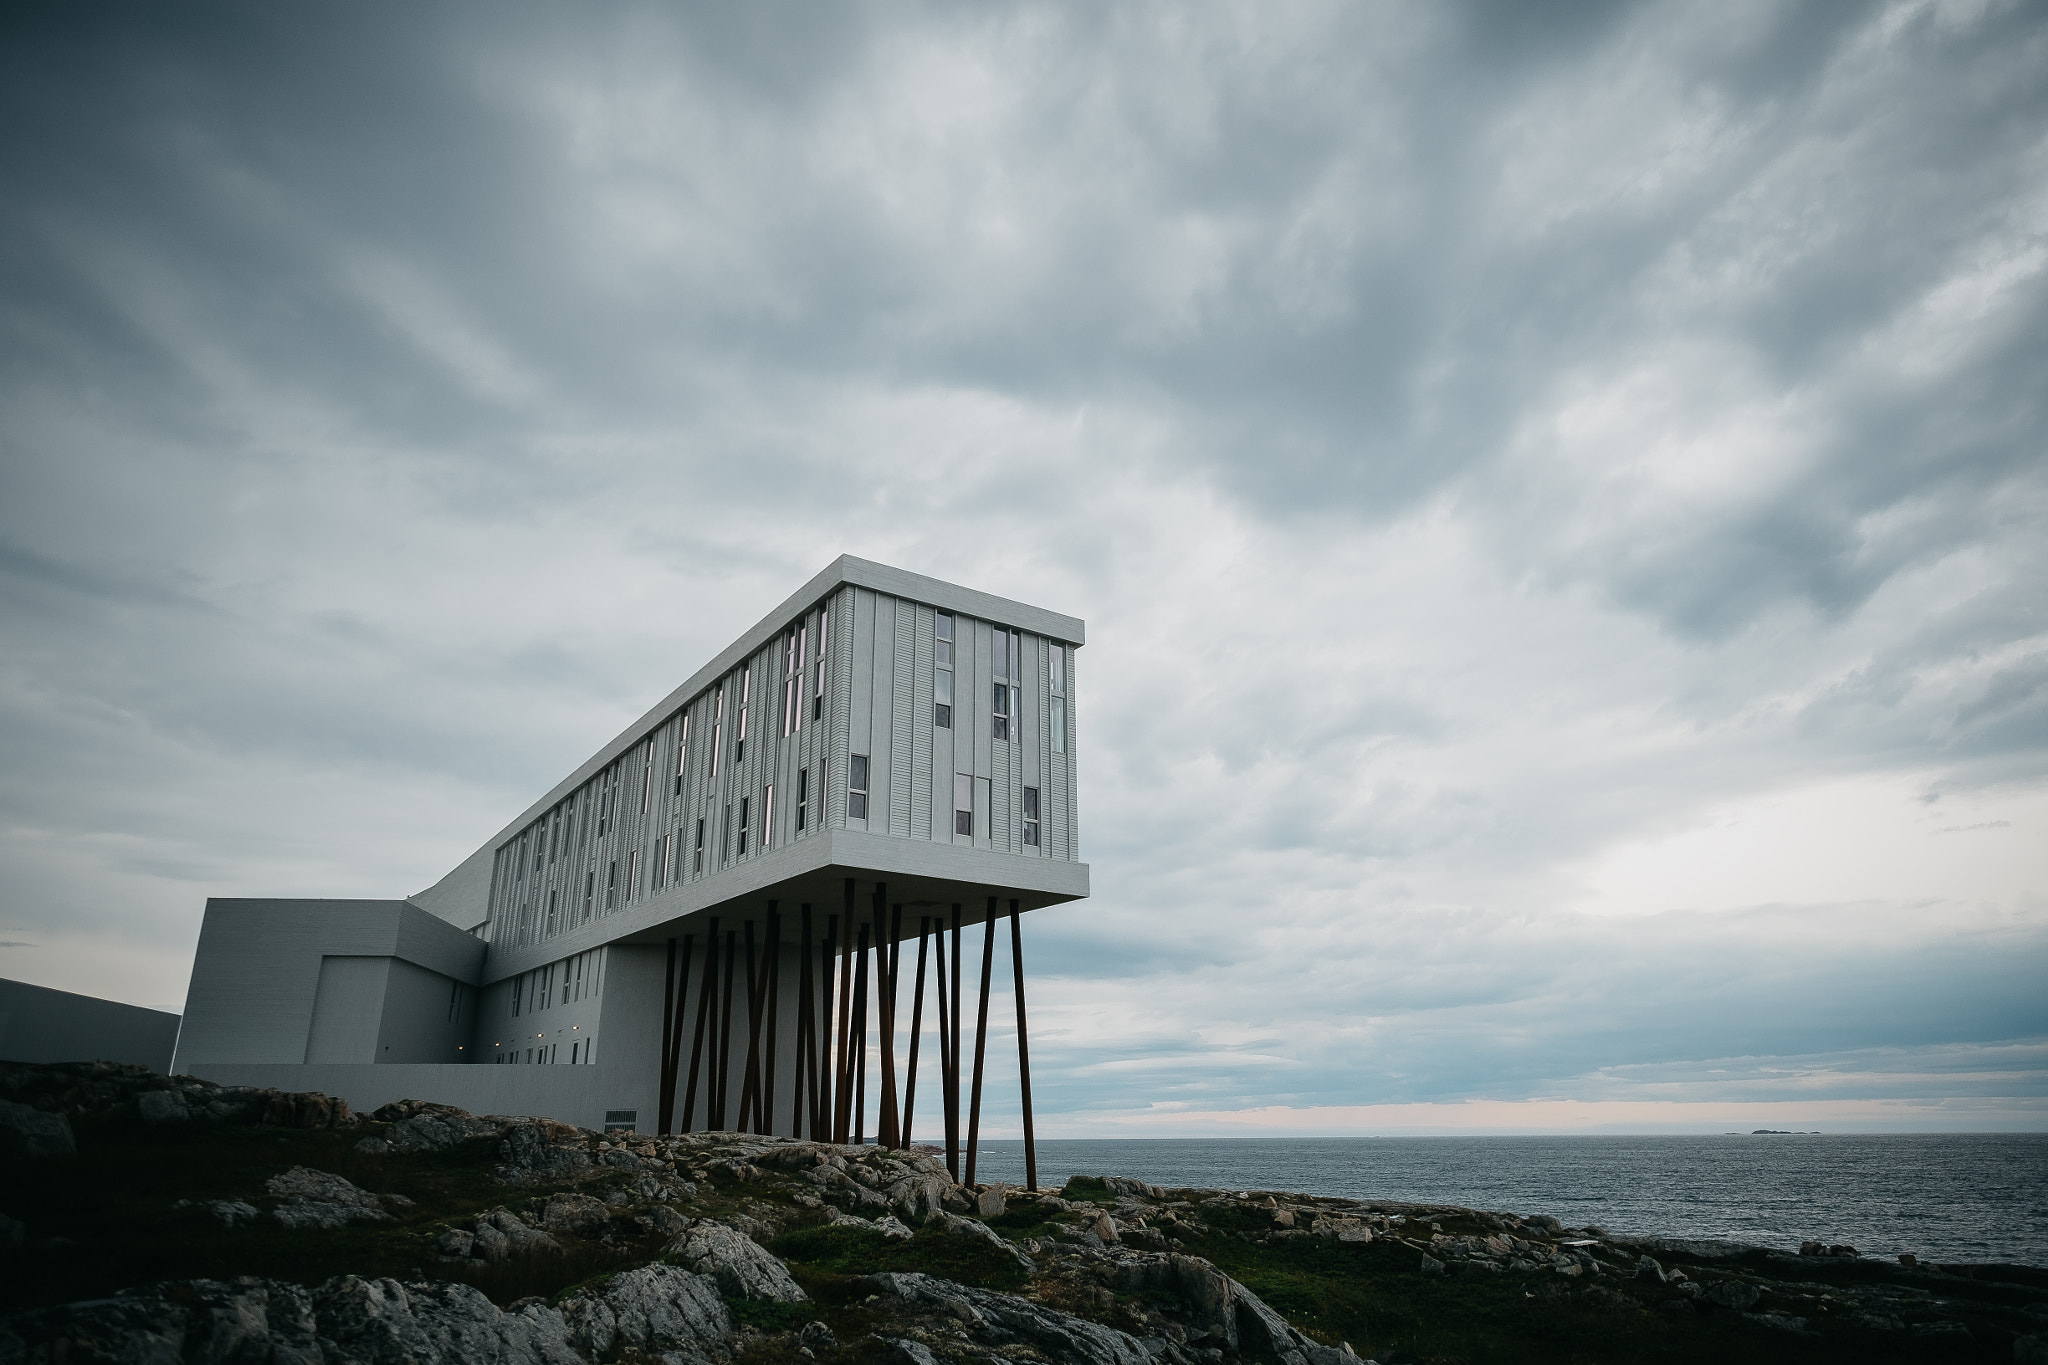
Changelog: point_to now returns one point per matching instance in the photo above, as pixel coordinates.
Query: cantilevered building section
(729, 915)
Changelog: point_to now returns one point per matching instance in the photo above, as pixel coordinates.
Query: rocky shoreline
(167, 1219)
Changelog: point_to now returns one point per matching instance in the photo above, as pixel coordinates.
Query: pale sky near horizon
(1557, 492)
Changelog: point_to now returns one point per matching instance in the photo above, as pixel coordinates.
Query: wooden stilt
(953, 1064)
(750, 1077)
(827, 1117)
(773, 967)
(804, 1088)
(664, 1077)
(988, 951)
(1023, 1049)
(842, 1110)
(705, 990)
(924, 923)
(724, 1052)
(886, 1111)
(675, 1037)
(860, 1039)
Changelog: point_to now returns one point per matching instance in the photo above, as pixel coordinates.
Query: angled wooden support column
(675, 1036)
(859, 1089)
(666, 1105)
(705, 991)
(773, 968)
(953, 1062)
(723, 1055)
(750, 1077)
(1023, 1050)
(886, 1111)
(827, 1118)
(924, 924)
(988, 954)
(804, 1088)
(842, 1071)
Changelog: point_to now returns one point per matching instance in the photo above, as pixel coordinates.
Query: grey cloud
(1478, 435)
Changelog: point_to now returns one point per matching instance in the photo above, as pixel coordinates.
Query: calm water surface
(1969, 1197)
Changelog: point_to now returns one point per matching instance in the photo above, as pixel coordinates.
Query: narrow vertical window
(682, 753)
(767, 815)
(551, 912)
(963, 804)
(717, 728)
(942, 673)
(803, 796)
(632, 874)
(742, 828)
(857, 788)
(647, 775)
(1006, 652)
(698, 865)
(1031, 817)
(1056, 660)
(818, 691)
(656, 872)
(589, 891)
(792, 680)
(739, 745)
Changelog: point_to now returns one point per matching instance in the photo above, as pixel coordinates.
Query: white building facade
(725, 916)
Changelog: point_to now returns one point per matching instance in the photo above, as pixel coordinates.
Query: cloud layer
(1558, 496)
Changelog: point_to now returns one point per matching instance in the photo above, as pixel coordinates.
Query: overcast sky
(1557, 492)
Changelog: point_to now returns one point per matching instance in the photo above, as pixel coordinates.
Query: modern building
(729, 916)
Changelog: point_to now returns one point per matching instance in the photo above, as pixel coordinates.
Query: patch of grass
(1026, 1220)
(106, 1219)
(850, 1252)
(1087, 1189)
(1374, 1296)
(771, 1315)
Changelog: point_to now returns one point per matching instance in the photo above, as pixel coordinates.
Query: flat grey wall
(257, 977)
(38, 1024)
(347, 1006)
(427, 1017)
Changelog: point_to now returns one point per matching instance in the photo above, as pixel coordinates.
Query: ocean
(1960, 1197)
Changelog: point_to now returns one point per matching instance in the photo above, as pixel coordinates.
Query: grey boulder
(740, 1265)
(320, 1199)
(162, 1108)
(654, 1308)
(992, 1316)
(33, 1132)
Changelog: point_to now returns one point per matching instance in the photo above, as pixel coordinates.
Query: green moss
(770, 1315)
(849, 1252)
(1375, 1297)
(1087, 1189)
(114, 1206)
